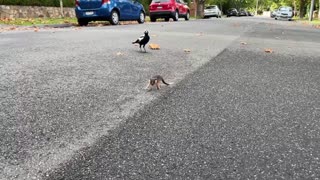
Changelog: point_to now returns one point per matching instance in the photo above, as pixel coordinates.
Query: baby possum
(156, 80)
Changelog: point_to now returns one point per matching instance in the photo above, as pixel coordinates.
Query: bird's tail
(135, 41)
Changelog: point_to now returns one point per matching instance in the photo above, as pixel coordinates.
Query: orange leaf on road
(268, 50)
(154, 46)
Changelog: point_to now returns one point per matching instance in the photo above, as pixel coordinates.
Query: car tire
(275, 18)
(166, 19)
(153, 19)
(114, 19)
(82, 22)
(187, 17)
(176, 16)
(141, 18)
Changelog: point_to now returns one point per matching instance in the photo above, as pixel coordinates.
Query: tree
(302, 8)
(200, 8)
(61, 8)
(319, 10)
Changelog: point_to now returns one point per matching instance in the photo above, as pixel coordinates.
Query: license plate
(89, 13)
(159, 7)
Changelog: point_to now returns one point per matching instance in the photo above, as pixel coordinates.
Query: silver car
(284, 12)
(212, 11)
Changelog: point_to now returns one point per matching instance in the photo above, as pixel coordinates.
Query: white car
(212, 11)
(284, 12)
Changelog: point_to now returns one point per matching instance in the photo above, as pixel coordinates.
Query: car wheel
(114, 20)
(141, 18)
(275, 18)
(176, 16)
(166, 19)
(82, 22)
(187, 17)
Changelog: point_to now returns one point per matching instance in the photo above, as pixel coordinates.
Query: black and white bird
(143, 40)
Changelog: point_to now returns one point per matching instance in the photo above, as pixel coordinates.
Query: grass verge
(37, 21)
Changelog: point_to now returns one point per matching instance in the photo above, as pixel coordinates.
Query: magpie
(142, 40)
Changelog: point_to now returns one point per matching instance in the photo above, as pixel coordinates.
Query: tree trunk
(200, 9)
(302, 9)
(61, 8)
(319, 10)
(295, 8)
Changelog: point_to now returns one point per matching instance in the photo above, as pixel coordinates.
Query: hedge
(51, 3)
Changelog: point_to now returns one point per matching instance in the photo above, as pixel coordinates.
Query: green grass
(37, 21)
(306, 21)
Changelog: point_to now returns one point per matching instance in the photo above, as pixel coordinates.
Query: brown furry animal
(156, 80)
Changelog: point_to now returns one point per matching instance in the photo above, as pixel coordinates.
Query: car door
(181, 8)
(125, 8)
(135, 9)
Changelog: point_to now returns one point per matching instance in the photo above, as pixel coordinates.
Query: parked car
(167, 9)
(244, 12)
(284, 12)
(232, 12)
(212, 11)
(250, 13)
(109, 10)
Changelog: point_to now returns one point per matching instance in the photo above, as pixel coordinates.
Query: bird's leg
(144, 48)
(140, 47)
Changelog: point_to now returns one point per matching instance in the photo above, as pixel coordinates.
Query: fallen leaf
(268, 50)
(187, 50)
(243, 43)
(153, 35)
(154, 46)
(119, 53)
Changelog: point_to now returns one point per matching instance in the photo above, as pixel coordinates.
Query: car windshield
(285, 9)
(159, 1)
(210, 7)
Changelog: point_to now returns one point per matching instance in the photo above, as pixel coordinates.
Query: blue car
(109, 10)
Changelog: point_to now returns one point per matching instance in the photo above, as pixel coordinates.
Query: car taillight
(106, 1)
(77, 3)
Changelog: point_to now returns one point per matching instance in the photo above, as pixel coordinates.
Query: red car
(167, 9)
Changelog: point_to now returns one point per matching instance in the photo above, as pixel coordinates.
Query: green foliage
(53, 3)
(146, 4)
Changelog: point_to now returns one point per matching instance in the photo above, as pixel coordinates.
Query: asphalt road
(73, 104)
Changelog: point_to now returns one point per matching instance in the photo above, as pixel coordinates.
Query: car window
(285, 9)
(181, 1)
